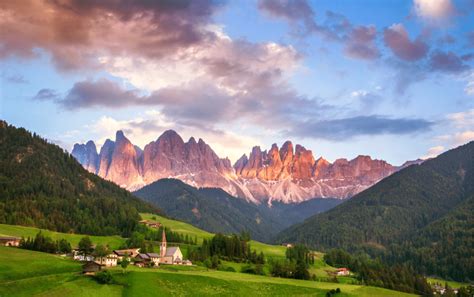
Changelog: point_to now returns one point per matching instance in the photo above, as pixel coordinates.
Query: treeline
(42, 243)
(41, 185)
(235, 248)
(298, 259)
(171, 236)
(375, 273)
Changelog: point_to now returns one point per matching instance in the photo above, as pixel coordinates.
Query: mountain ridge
(287, 174)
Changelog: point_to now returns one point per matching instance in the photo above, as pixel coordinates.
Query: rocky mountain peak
(287, 174)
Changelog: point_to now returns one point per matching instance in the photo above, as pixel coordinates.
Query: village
(94, 263)
(166, 256)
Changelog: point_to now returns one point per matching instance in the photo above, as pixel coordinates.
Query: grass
(452, 284)
(113, 242)
(29, 273)
(178, 226)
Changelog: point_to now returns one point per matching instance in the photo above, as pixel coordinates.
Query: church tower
(163, 245)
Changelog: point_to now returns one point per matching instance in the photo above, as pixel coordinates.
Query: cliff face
(287, 174)
(294, 175)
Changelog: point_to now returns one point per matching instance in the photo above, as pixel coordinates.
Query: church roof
(171, 250)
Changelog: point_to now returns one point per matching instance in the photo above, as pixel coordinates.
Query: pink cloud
(397, 39)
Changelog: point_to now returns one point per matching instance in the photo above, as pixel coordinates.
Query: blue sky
(390, 79)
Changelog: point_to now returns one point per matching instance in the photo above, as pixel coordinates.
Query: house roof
(171, 250)
(153, 255)
(90, 264)
(143, 256)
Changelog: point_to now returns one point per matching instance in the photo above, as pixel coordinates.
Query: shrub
(104, 277)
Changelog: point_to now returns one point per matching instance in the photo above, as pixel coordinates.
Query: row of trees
(375, 273)
(45, 244)
(234, 248)
(298, 259)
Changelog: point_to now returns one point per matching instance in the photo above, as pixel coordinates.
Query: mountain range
(287, 174)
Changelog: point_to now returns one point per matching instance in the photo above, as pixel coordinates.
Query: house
(127, 253)
(76, 255)
(91, 268)
(150, 224)
(343, 271)
(146, 259)
(287, 245)
(110, 260)
(155, 258)
(10, 241)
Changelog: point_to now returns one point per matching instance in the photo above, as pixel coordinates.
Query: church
(171, 255)
(168, 255)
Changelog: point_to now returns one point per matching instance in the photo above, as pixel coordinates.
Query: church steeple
(163, 244)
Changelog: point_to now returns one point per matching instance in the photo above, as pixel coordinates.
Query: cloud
(397, 39)
(447, 62)
(469, 89)
(346, 128)
(47, 94)
(463, 119)
(360, 43)
(75, 32)
(434, 11)
(433, 152)
(459, 130)
(297, 12)
(14, 79)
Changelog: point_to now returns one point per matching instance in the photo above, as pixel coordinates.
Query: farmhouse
(110, 260)
(9, 241)
(127, 253)
(343, 271)
(150, 224)
(76, 255)
(91, 267)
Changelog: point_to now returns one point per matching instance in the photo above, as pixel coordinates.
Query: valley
(30, 273)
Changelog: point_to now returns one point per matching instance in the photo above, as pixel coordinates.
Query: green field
(28, 273)
(452, 284)
(20, 231)
(319, 268)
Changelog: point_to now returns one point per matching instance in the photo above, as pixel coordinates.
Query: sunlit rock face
(287, 174)
(293, 175)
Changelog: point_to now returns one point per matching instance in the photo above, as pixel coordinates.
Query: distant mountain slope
(287, 174)
(43, 186)
(427, 203)
(211, 209)
(214, 210)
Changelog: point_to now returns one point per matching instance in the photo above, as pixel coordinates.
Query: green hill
(28, 273)
(45, 187)
(421, 215)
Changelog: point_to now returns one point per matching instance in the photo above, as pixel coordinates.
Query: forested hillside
(43, 186)
(210, 209)
(421, 215)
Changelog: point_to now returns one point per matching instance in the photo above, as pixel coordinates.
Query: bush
(230, 269)
(104, 277)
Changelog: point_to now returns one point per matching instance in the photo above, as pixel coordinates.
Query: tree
(64, 246)
(124, 264)
(101, 251)
(85, 245)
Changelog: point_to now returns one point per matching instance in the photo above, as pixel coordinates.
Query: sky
(392, 79)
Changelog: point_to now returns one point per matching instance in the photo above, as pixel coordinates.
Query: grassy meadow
(20, 231)
(29, 273)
